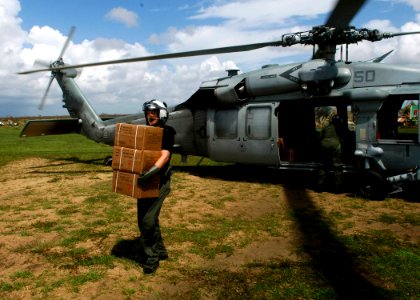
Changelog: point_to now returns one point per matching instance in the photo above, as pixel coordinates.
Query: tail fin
(78, 105)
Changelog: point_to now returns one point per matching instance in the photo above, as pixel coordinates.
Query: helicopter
(272, 116)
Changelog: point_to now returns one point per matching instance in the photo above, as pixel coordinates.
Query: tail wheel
(108, 161)
(372, 185)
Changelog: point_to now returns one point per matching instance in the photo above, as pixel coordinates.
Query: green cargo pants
(148, 211)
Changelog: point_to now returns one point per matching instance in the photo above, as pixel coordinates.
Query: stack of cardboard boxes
(136, 149)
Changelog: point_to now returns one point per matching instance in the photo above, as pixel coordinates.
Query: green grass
(78, 280)
(395, 262)
(210, 239)
(378, 254)
(70, 146)
(75, 244)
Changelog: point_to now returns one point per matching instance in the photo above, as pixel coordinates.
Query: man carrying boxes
(146, 150)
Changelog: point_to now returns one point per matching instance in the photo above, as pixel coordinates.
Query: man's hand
(146, 176)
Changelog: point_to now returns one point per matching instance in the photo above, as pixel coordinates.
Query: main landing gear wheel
(372, 185)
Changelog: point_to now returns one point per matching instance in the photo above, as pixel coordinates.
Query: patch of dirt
(42, 202)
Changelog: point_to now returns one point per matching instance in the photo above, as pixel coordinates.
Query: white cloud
(384, 25)
(122, 15)
(250, 13)
(414, 3)
(408, 50)
(122, 88)
(12, 36)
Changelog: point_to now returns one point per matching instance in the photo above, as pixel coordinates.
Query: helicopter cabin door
(244, 134)
(296, 129)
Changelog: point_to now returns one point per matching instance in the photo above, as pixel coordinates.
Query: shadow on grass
(129, 249)
(246, 173)
(77, 160)
(301, 179)
(67, 161)
(330, 256)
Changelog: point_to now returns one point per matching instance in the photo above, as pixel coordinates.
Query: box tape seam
(116, 181)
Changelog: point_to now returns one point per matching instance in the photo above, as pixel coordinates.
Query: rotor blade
(389, 35)
(66, 44)
(41, 63)
(34, 71)
(382, 57)
(221, 50)
(41, 105)
(343, 13)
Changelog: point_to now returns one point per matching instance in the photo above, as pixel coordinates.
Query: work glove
(146, 176)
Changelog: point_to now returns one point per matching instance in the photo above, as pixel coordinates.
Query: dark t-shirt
(168, 138)
(168, 141)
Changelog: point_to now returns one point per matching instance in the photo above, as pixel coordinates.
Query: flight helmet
(159, 106)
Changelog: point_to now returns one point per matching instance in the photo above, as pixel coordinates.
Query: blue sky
(94, 20)
(111, 29)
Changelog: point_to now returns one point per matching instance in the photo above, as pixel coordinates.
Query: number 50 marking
(364, 76)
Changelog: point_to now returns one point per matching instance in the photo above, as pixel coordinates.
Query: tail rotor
(67, 43)
(41, 105)
(58, 61)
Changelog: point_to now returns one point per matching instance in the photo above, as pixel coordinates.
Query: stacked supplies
(136, 149)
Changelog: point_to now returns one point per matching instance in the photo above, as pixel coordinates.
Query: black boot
(150, 267)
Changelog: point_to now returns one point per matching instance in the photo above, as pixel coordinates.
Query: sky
(112, 29)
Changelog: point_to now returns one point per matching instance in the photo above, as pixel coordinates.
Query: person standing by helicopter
(148, 210)
(331, 153)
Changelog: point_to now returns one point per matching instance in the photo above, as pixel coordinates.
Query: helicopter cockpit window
(258, 123)
(398, 119)
(226, 123)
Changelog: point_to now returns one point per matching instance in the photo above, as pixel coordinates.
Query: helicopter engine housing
(270, 80)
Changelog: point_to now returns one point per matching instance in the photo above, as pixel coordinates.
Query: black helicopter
(251, 118)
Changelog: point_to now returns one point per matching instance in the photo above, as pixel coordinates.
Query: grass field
(231, 232)
(61, 146)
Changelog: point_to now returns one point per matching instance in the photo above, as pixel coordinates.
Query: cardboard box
(126, 183)
(136, 149)
(133, 160)
(140, 137)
